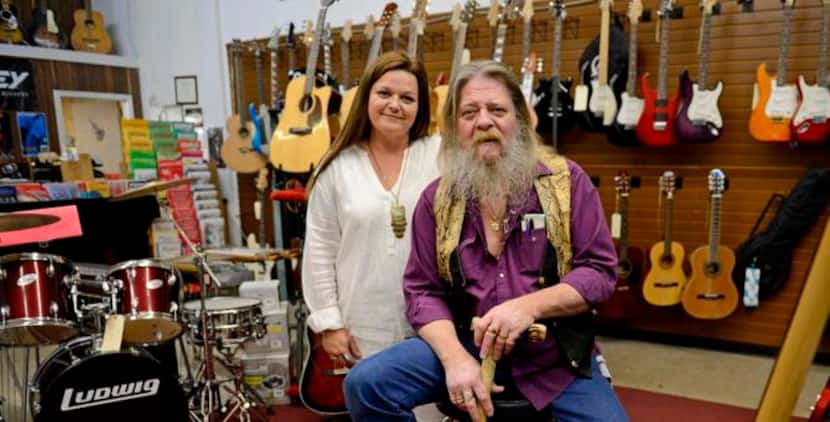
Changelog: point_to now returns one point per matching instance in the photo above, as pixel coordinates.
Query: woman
(373, 175)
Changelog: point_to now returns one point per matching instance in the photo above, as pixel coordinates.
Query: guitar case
(771, 250)
(617, 71)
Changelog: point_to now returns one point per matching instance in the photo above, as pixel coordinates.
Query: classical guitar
(9, 24)
(699, 119)
(553, 94)
(811, 122)
(710, 292)
(439, 93)
(631, 106)
(302, 136)
(656, 125)
(774, 101)
(321, 382)
(625, 300)
(89, 32)
(237, 151)
(602, 104)
(44, 31)
(665, 279)
(377, 41)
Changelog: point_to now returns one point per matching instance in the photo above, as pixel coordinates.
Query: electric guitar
(302, 136)
(439, 93)
(624, 302)
(656, 125)
(44, 31)
(552, 94)
(699, 119)
(395, 29)
(631, 106)
(374, 50)
(602, 103)
(237, 151)
(345, 58)
(811, 121)
(89, 33)
(527, 25)
(711, 293)
(501, 19)
(666, 279)
(9, 24)
(774, 102)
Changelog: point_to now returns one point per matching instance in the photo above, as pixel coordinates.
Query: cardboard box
(267, 292)
(276, 335)
(267, 375)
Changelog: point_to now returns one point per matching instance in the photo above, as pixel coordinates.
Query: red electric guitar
(821, 410)
(656, 125)
(811, 122)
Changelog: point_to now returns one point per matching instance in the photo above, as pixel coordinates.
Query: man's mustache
(481, 137)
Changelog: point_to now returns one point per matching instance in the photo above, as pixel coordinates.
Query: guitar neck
(374, 50)
(327, 58)
(458, 52)
(526, 38)
(260, 79)
(313, 54)
(664, 57)
(412, 42)
(604, 36)
(781, 77)
(345, 61)
(667, 223)
(556, 60)
(703, 61)
(631, 83)
(624, 227)
(714, 228)
(498, 50)
(275, 85)
(292, 58)
(240, 87)
(88, 8)
(821, 75)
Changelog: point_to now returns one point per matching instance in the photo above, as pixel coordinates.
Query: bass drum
(79, 384)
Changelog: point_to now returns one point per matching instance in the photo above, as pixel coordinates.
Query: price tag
(616, 225)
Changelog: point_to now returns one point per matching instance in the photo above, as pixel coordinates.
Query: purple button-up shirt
(539, 371)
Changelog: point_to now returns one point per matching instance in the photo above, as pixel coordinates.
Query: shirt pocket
(532, 247)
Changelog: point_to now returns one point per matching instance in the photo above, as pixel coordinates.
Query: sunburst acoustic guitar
(666, 279)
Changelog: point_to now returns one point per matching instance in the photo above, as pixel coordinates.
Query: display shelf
(71, 56)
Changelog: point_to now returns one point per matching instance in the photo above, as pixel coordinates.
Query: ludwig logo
(26, 279)
(73, 400)
(154, 284)
(9, 79)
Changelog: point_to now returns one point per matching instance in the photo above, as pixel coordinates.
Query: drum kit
(44, 301)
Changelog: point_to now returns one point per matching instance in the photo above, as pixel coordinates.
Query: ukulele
(711, 293)
(774, 102)
(552, 94)
(9, 24)
(376, 32)
(666, 279)
(44, 31)
(89, 33)
(625, 299)
(439, 93)
(656, 125)
(237, 151)
(810, 123)
(631, 106)
(302, 136)
(699, 119)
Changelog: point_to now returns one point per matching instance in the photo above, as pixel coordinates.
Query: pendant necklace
(397, 211)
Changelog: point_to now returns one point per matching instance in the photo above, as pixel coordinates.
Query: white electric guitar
(631, 106)
(602, 101)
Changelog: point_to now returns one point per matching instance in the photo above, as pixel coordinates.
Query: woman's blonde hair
(358, 127)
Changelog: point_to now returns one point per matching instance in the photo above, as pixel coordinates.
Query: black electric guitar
(553, 94)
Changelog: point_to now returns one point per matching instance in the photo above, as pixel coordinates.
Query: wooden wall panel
(739, 42)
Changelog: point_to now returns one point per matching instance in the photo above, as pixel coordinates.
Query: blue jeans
(386, 386)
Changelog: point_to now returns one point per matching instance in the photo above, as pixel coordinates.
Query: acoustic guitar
(377, 41)
(811, 123)
(439, 93)
(44, 31)
(89, 32)
(699, 119)
(321, 381)
(9, 24)
(656, 125)
(238, 151)
(665, 279)
(711, 293)
(774, 101)
(631, 106)
(554, 103)
(302, 136)
(625, 301)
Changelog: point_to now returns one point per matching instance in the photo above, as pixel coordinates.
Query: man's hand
(501, 326)
(465, 386)
(339, 344)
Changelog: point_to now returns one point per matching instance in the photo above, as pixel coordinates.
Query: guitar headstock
(469, 11)
(708, 6)
(509, 10)
(274, 41)
(346, 33)
(236, 46)
(635, 10)
(256, 48)
(395, 26)
(606, 5)
(788, 4)
(455, 18)
(557, 9)
(717, 182)
(419, 15)
(308, 36)
(388, 15)
(622, 183)
(666, 8)
(369, 27)
(290, 41)
(668, 183)
(527, 11)
(493, 14)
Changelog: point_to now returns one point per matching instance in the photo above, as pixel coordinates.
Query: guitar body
(623, 131)
(625, 301)
(302, 136)
(10, 26)
(89, 33)
(544, 108)
(711, 293)
(772, 113)
(698, 119)
(811, 122)
(646, 131)
(321, 382)
(236, 151)
(346, 105)
(665, 279)
(44, 31)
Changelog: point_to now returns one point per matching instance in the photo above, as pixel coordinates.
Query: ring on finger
(468, 396)
(503, 336)
(493, 331)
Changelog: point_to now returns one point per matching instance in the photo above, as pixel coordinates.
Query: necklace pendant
(398, 213)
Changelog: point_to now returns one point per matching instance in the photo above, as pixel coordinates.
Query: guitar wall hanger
(746, 6)
(676, 12)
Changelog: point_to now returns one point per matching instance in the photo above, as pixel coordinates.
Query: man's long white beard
(509, 177)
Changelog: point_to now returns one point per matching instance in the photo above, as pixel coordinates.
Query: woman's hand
(340, 344)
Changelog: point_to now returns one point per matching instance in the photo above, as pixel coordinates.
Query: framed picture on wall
(34, 135)
(187, 90)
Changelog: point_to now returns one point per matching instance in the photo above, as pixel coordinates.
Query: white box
(267, 375)
(276, 334)
(267, 292)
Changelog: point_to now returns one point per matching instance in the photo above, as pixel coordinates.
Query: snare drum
(146, 299)
(233, 320)
(33, 299)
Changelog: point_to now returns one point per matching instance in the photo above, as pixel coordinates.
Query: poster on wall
(34, 137)
(17, 85)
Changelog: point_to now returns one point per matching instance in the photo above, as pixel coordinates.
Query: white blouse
(352, 262)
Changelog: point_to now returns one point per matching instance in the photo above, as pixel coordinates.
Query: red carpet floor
(642, 406)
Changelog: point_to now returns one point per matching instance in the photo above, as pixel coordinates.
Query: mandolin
(711, 293)
(238, 151)
(9, 24)
(656, 125)
(89, 32)
(666, 279)
(302, 136)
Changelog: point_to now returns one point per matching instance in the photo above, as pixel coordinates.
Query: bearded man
(513, 234)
